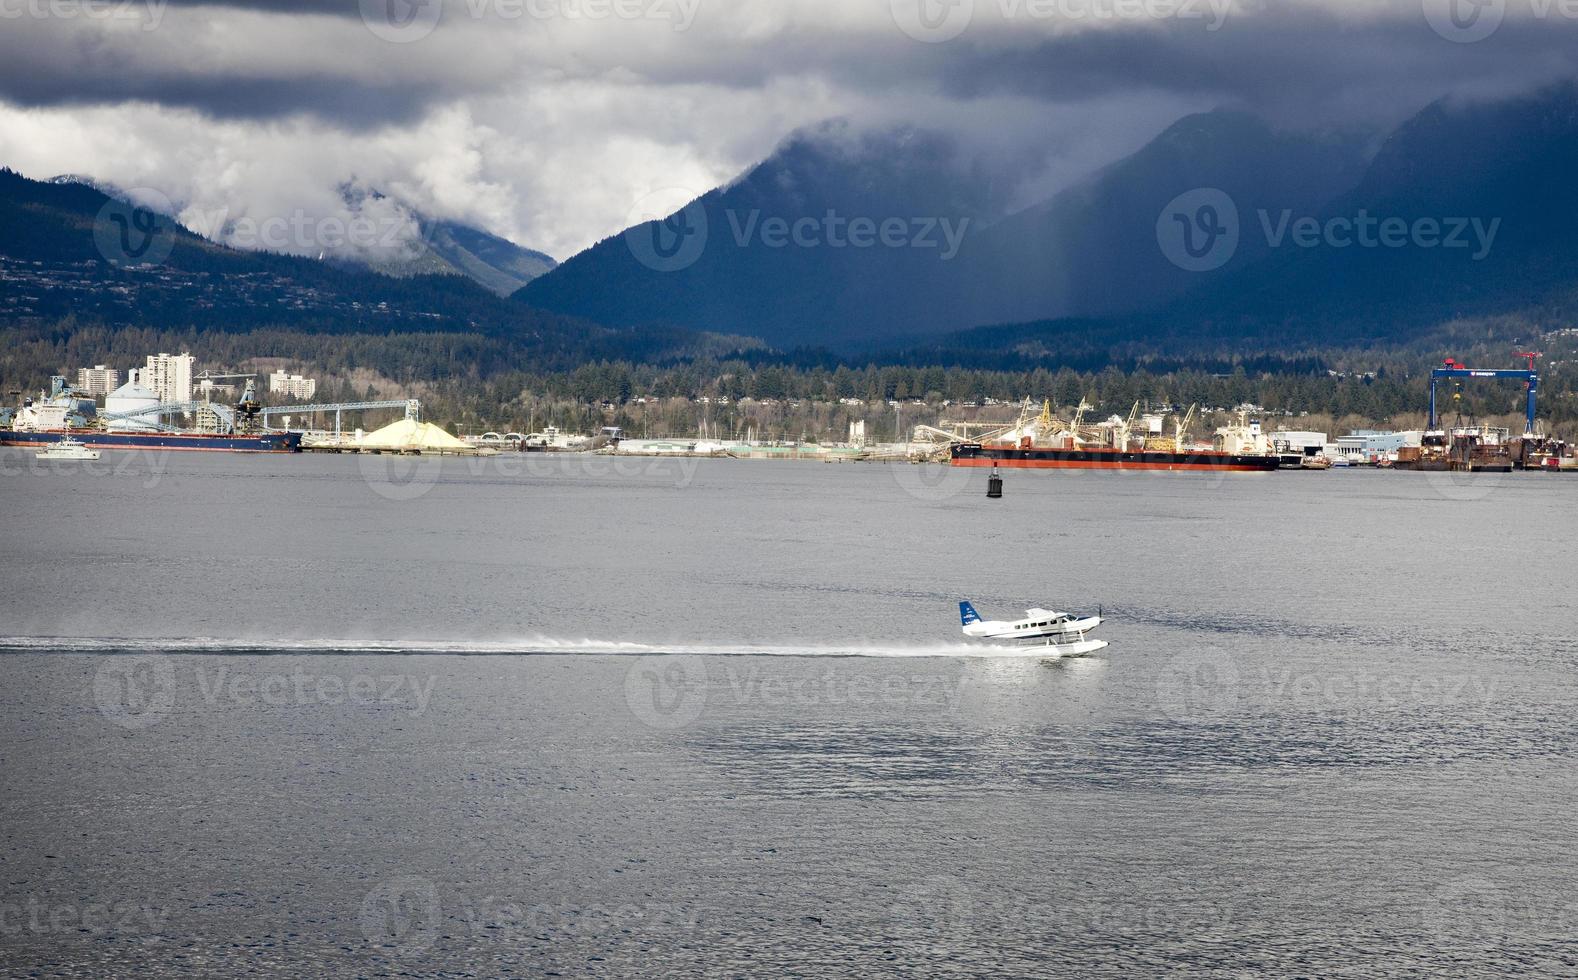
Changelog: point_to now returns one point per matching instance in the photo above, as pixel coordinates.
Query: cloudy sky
(551, 121)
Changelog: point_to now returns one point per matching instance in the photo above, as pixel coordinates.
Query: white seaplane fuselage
(1044, 630)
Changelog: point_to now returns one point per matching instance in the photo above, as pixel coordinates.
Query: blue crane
(1455, 370)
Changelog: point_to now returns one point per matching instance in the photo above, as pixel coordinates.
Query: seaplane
(1049, 633)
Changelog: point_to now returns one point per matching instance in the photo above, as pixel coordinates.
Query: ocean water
(572, 716)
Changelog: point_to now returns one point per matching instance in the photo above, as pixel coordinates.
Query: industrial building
(130, 398)
(1300, 443)
(291, 385)
(98, 381)
(1369, 445)
(168, 376)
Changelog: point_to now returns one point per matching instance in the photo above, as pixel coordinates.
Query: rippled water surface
(331, 716)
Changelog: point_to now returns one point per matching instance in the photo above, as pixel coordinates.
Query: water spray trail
(532, 646)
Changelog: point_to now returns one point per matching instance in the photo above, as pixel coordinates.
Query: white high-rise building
(98, 380)
(169, 376)
(293, 385)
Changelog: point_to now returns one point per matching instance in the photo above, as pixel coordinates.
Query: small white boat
(1045, 632)
(67, 448)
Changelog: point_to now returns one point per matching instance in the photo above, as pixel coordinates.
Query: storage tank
(131, 397)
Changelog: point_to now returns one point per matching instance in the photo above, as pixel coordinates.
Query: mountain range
(1223, 231)
(435, 247)
(1491, 178)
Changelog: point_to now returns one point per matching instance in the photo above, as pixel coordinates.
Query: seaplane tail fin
(967, 614)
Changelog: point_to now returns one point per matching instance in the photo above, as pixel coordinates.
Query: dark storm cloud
(1301, 65)
(1298, 62)
(351, 105)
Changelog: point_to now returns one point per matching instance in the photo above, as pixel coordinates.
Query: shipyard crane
(1452, 369)
(1079, 416)
(1128, 425)
(1179, 428)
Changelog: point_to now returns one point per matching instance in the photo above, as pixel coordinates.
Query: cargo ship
(270, 442)
(131, 421)
(1044, 442)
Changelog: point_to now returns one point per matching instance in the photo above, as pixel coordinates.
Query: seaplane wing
(1043, 626)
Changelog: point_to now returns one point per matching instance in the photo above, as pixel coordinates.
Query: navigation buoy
(994, 485)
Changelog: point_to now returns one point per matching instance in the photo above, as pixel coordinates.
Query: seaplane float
(1042, 632)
